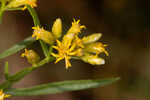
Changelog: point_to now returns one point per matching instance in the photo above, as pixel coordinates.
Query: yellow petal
(55, 55)
(55, 47)
(58, 43)
(60, 58)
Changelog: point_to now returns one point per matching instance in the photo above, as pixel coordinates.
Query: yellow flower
(78, 42)
(69, 46)
(64, 52)
(18, 3)
(32, 3)
(42, 34)
(76, 27)
(46, 36)
(96, 47)
(3, 95)
(86, 49)
(72, 32)
(32, 56)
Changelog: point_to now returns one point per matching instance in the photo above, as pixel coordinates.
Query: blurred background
(125, 25)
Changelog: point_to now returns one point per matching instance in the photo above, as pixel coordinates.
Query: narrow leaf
(59, 87)
(23, 44)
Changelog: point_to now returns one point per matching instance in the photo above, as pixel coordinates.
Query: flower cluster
(86, 48)
(3, 95)
(71, 45)
(19, 3)
(44, 35)
(47, 36)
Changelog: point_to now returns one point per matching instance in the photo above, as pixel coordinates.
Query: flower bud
(32, 56)
(92, 59)
(57, 28)
(91, 38)
(96, 47)
(42, 34)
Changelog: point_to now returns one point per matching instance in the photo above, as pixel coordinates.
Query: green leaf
(23, 44)
(59, 87)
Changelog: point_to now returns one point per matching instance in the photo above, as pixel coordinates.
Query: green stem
(34, 15)
(6, 72)
(20, 75)
(2, 9)
(37, 23)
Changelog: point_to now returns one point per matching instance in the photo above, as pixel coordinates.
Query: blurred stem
(37, 23)
(2, 9)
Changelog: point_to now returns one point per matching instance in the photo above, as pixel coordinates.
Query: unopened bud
(57, 28)
(96, 47)
(32, 56)
(91, 38)
(92, 59)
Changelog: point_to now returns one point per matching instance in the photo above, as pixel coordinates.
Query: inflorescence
(70, 46)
